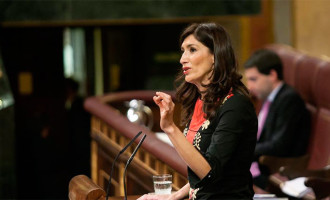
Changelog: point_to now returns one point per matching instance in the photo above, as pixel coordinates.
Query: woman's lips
(185, 70)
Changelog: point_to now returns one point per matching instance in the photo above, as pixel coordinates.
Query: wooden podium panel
(111, 131)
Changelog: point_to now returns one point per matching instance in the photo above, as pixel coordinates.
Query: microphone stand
(117, 156)
(129, 161)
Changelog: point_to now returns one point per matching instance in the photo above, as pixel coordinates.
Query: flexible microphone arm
(130, 160)
(117, 156)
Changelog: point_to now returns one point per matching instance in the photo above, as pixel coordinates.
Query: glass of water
(162, 183)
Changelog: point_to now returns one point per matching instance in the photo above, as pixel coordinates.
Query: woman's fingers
(161, 104)
(162, 99)
(142, 197)
(166, 97)
(151, 197)
(157, 99)
(146, 197)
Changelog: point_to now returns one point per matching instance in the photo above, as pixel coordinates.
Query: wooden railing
(111, 131)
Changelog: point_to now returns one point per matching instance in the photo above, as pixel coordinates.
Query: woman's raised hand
(166, 106)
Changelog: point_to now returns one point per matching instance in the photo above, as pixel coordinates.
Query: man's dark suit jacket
(287, 127)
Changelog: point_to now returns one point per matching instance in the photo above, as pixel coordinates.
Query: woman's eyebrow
(189, 45)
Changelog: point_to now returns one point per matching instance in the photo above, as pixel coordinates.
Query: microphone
(117, 156)
(130, 160)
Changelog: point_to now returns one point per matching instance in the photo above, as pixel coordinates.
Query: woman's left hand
(155, 197)
(166, 106)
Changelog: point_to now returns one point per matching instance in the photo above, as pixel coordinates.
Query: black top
(227, 142)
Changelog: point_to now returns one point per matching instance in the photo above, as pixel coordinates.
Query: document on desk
(295, 187)
(268, 197)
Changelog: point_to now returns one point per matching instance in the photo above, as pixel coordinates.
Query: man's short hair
(265, 60)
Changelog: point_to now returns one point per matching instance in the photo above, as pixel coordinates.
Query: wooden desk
(256, 189)
(82, 187)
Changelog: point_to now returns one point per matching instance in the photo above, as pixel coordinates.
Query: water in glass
(163, 184)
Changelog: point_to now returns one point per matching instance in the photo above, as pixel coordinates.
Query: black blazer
(227, 142)
(287, 127)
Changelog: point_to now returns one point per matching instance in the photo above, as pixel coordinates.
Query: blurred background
(53, 54)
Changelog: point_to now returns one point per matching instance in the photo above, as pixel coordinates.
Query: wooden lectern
(83, 188)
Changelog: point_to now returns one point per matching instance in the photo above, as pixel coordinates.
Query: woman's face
(197, 62)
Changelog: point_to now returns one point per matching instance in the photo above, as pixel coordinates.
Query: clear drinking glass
(162, 183)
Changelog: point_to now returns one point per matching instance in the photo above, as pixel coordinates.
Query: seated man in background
(283, 121)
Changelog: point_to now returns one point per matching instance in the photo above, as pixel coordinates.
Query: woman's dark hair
(224, 76)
